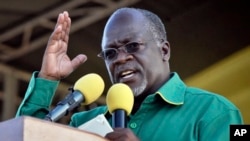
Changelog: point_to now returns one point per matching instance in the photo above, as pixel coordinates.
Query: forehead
(124, 27)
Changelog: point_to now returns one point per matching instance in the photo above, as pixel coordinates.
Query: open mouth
(126, 74)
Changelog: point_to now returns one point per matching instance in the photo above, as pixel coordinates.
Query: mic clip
(67, 104)
(68, 99)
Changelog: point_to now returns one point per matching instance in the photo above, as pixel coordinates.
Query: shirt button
(133, 125)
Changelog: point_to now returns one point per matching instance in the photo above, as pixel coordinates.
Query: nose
(123, 57)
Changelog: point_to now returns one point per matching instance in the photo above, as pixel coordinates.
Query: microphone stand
(119, 119)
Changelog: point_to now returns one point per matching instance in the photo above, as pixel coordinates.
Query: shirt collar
(173, 90)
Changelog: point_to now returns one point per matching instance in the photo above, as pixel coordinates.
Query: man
(137, 53)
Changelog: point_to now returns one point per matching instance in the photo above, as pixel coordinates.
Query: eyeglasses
(112, 53)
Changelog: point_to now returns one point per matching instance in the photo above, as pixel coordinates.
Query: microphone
(85, 91)
(120, 101)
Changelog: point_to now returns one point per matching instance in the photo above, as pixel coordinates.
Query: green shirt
(175, 112)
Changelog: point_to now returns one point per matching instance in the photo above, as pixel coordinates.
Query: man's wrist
(44, 76)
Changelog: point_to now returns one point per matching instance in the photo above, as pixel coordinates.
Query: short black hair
(155, 24)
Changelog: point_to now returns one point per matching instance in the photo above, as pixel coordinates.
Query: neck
(138, 101)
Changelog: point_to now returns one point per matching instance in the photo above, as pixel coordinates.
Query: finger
(68, 29)
(59, 20)
(64, 23)
(56, 35)
(113, 136)
(78, 60)
(65, 27)
(67, 21)
(66, 14)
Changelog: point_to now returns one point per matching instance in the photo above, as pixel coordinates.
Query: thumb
(78, 60)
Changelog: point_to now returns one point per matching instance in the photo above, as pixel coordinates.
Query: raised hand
(56, 63)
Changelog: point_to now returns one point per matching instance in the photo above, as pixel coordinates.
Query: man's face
(141, 65)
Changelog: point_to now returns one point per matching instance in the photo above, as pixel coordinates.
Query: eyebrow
(118, 43)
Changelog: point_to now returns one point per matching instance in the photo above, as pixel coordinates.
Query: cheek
(110, 70)
(145, 66)
(150, 66)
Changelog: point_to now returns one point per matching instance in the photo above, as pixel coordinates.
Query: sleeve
(38, 97)
(218, 128)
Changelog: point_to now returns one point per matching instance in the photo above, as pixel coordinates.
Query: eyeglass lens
(112, 53)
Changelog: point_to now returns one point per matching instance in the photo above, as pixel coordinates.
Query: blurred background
(210, 45)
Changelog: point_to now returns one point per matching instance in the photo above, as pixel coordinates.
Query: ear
(165, 51)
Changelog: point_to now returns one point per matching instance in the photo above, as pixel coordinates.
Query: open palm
(56, 63)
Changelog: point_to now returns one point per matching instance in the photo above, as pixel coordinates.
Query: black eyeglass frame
(130, 48)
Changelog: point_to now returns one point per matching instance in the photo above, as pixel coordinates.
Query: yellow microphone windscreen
(91, 86)
(120, 96)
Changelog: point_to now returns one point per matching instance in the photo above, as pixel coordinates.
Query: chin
(138, 90)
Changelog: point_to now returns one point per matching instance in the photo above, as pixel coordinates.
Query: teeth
(126, 73)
